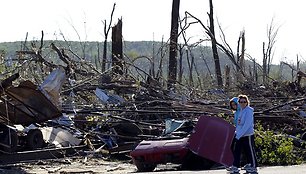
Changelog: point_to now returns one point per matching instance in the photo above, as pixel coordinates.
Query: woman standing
(244, 136)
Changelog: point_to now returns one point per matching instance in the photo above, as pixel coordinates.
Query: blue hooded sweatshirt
(236, 113)
(245, 122)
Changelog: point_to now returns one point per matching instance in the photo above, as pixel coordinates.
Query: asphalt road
(297, 169)
(100, 166)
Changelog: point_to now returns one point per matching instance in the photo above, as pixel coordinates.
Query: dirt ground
(89, 165)
(84, 165)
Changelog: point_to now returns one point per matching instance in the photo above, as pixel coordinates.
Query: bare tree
(211, 33)
(268, 50)
(162, 51)
(214, 45)
(227, 50)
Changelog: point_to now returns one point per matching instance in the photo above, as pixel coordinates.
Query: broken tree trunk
(117, 55)
(173, 44)
(240, 58)
(214, 46)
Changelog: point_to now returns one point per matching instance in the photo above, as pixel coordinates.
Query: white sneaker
(246, 167)
(234, 169)
(251, 170)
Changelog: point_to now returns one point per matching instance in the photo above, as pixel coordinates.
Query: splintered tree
(240, 57)
(106, 31)
(173, 44)
(117, 55)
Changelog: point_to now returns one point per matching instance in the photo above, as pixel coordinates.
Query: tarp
(52, 85)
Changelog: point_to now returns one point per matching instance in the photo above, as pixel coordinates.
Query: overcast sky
(150, 20)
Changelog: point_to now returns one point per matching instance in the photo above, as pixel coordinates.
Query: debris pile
(82, 111)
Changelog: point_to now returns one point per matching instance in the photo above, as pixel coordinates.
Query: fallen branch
(281, 105)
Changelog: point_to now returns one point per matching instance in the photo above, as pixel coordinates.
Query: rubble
(82, 112)
(114, 123)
